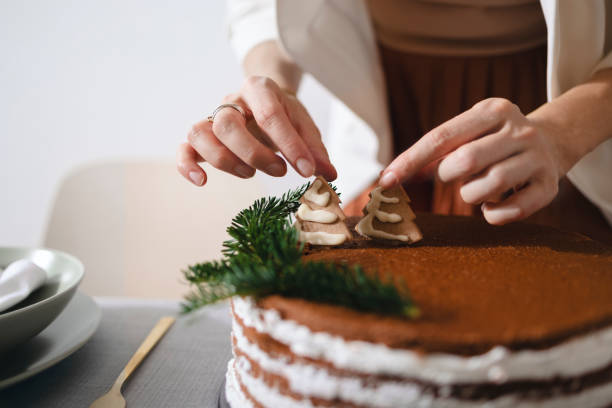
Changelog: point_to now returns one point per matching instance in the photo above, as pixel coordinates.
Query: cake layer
(478, 286)
(245, 390)
(270, 373)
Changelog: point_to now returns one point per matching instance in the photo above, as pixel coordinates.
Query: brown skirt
(425, 91)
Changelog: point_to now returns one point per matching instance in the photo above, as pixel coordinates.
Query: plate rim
(75, 284)
(94, 321)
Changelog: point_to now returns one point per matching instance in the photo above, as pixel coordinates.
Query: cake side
(278, 360)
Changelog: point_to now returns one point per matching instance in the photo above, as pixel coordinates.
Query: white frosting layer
(569, 359)
(233, 393)
(318, 382)
(312, 194)
(271, 397)
(305, 213)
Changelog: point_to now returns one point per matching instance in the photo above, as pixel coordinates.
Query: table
(186, 369)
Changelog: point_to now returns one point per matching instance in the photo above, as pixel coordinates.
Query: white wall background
(89, 80)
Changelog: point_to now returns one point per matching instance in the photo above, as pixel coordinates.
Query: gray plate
(74, 326)
(28, 318)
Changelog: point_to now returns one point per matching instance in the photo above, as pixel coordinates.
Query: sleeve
(606, 61)
(591, 174)
(250, 22)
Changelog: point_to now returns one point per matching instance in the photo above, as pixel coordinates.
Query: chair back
(136, 224)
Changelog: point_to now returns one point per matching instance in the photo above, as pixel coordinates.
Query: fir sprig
(264, 258)
(254, 227)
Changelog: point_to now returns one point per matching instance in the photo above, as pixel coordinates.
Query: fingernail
(500, 214)
(389, 179)
(335, 172)
(305, 167)
(243, 171)
(196, 177)
(275, 170)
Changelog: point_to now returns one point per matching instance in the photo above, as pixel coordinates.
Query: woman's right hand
(276, 121)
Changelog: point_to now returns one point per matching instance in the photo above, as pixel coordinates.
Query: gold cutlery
(113, 398)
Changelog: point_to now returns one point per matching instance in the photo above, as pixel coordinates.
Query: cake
(513, 316)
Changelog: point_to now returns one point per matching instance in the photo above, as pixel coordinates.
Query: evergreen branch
(343, 285)
(334, 188)
(338, 284)
(250, 228)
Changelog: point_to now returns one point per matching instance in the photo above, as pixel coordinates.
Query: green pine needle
(264, 258)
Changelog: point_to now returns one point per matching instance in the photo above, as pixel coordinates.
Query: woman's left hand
(506, 161)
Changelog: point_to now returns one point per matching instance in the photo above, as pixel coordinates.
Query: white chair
(136, 224)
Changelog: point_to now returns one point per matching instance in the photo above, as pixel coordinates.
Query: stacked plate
(51, 323)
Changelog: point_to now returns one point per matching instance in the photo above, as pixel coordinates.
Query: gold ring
(234, 106)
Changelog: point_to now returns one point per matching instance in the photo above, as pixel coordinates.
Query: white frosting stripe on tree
(322, 238)
(305, 213)
(388, 217)
(313, 195)
(572, 358)
(319, 237)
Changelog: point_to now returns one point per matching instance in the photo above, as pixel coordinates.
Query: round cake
(513, 316)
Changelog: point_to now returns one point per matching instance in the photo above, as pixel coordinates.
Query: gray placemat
(186, 369)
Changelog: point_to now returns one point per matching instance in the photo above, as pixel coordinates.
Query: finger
(259, 134)
(312, 137)
(262, 96)
(428, 172)
(229, 128)
(202, 139)
(537, 194)
(187, 164)
(473, 157)
(483, 118)
(500, 178)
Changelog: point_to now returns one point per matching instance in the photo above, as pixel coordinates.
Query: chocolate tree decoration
(388, 216)
(320, 220)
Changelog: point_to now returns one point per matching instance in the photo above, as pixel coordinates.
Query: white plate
(72, 328)
(29, 317)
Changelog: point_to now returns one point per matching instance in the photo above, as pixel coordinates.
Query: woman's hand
(507, 162)
(276, 121)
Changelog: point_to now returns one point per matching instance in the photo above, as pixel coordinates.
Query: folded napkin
(18, 280)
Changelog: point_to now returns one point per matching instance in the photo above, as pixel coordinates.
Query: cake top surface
(477, 286)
